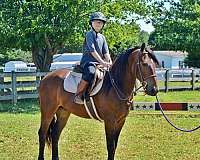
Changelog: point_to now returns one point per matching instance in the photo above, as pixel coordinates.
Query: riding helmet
(97, 16)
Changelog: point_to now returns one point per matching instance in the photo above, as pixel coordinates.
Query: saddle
(73, 78)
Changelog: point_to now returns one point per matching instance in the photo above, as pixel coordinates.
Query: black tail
(49, 132)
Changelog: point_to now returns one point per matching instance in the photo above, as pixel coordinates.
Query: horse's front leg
(119, 126)
(113, 130)
(110, 139)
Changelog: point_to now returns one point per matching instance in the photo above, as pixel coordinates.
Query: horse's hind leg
(42, 133)
(62, 117)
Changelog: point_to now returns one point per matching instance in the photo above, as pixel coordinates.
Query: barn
(171, 59)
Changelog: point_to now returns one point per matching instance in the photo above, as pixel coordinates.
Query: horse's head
(138, 62)
(145, 72)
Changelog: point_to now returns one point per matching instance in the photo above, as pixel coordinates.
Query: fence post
(1, 83)
(14, 88)
(193, 79)
(37, 81)
(166, 80)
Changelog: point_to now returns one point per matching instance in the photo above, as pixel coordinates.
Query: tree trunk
(42, 57)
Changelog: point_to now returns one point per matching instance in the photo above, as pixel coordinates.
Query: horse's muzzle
(152, 91)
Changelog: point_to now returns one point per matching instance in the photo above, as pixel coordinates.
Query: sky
(145, 27)
(148, 27)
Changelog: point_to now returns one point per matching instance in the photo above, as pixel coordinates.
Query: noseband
(120, 94)
(144, 79)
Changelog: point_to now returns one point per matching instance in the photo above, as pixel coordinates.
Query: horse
(113, 101)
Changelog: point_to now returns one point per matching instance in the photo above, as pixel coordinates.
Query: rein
(167, 119)
(120, 94)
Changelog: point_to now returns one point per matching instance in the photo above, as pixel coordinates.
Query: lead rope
(167, 119)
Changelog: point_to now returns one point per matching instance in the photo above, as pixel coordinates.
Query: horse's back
(52, 80)
(60, 73)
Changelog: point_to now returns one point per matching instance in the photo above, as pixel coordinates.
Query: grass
(143, 137)
(146, 135)
(23, 106)
(31, 106)
(178, 96)
(174, 84)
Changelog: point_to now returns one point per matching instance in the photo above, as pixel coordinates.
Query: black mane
(118, 69)
(152, 55)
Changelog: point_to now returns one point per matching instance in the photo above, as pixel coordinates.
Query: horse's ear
(142, 47)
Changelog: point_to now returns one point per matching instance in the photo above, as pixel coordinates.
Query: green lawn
(31, 106)
(178, 96)
(144, 137)
(174, 84)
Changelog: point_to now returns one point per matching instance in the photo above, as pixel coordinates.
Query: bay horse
(112, 101)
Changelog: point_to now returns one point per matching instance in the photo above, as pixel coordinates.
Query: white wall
(175, 62)
(167, 60)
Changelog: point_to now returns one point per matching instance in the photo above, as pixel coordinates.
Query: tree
(121, 37)
(41, 26)
(177, 28)
(143, 37)
(15, 54)
(45, 26)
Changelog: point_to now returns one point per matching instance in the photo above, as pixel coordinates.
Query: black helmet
(97, 16)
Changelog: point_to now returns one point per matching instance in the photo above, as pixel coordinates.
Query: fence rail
(175, 75)
(23, 85)
(19, 85)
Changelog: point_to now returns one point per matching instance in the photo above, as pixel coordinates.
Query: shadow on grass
(22, 106)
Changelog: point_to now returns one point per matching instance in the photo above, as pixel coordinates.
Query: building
(171, 59)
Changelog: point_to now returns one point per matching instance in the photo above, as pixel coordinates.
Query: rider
(95, 50)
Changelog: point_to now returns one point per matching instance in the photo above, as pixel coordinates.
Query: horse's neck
(129, 83)
(130, 77)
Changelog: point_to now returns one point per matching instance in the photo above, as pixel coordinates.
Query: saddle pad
(72, 80)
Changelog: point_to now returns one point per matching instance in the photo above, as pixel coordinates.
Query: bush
(15, 54)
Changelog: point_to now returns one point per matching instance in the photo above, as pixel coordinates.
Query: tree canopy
(177, 28)
(46, 26)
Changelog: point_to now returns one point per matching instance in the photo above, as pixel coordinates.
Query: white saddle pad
(72, 80)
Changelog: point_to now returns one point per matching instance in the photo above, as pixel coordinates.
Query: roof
(171, 53)
(18, 66)
(16, 62)
(67, 57)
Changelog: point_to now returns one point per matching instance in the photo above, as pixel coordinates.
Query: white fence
(18, 85)
(179, 75)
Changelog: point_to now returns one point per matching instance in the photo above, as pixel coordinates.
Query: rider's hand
(106, 64)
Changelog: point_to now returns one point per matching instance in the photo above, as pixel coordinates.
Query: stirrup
(78, 100)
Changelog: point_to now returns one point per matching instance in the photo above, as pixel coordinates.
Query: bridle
(143, 79)
(123, 96)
